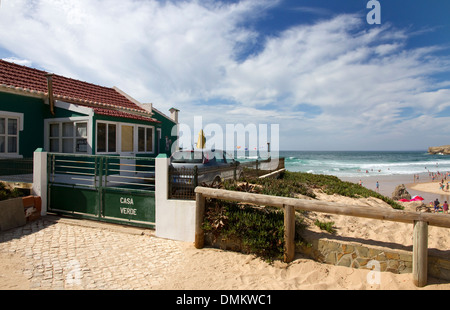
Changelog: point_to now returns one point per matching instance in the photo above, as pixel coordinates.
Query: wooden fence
(420, 221)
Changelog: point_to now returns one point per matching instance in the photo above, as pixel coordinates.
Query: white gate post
(174, 218)
(39, 187)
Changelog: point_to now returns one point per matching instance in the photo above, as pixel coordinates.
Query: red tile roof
(104, 100)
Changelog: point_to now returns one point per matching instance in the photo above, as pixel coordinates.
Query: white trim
(20, 120)
(22, 91)
(136, 102)
(158, 140)
(20, 116)
(9, 155)
(74, 108)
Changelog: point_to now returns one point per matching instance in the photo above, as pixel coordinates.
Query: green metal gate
(105, 188)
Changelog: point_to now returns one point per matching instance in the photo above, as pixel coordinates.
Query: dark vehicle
(213, 166)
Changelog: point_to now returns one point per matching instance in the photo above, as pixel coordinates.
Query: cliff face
(444, 149)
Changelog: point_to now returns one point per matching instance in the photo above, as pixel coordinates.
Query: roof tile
(34, 80)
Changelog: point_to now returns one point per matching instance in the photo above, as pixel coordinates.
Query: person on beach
(378, 186)
(436, 205)
(445, 207)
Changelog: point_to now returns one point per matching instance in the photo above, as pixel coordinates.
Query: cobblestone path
(59, 254)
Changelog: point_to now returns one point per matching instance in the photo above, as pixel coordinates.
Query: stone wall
(357, 255)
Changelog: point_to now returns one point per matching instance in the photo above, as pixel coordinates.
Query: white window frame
(20, 121)
(74, 121)
(119, 137)
(158, 140)
(107, 131)
(145, 139)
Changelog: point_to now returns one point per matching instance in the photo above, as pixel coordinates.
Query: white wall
(175, 219)
(39, 187)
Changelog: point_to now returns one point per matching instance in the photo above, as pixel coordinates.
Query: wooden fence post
(199, 214)
(289, 233)
(420, 253)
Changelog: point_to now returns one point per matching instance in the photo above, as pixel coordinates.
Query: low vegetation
(328, 226)
(6, 193)
(261, 230)
(292, 184)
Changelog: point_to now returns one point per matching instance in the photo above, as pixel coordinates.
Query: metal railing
(16, 170)
(102, 171)
(183, 181)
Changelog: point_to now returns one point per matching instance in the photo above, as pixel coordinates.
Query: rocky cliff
(444, 149)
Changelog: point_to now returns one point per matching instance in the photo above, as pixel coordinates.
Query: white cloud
(184, 54)
(23, 62)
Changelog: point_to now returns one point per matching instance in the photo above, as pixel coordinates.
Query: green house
(64, 115)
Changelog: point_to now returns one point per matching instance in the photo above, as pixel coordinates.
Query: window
(127, 139)
(106, 138)
(145, 139)
(9, 135)
(124, 138)
(68, 137)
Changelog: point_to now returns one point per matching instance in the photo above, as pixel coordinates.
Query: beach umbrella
(403, 200)
(417, 198)
(201, 140)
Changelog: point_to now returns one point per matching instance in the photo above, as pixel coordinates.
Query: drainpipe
(51, 101)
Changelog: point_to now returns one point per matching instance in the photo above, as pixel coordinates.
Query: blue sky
(316, 68)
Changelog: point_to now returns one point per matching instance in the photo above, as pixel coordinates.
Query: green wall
(34, 111)
(32, 135)
(166, 130)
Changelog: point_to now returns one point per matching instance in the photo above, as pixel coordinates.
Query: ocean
(359, 164)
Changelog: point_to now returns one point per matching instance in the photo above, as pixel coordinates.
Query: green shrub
(294, 183)
(274, 187)
(6, 193)
(333, 185)
(261, 231)
(328, 226)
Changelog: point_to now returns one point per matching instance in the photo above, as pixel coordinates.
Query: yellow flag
(201, 140)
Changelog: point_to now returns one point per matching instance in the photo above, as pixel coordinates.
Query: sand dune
(210, 268)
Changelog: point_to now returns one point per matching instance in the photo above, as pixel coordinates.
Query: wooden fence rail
(420, 220)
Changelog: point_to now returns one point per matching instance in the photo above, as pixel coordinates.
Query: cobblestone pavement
(60, 253)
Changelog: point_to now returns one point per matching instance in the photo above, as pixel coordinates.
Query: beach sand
(423, 187)
(211, 268)
(215, 269)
